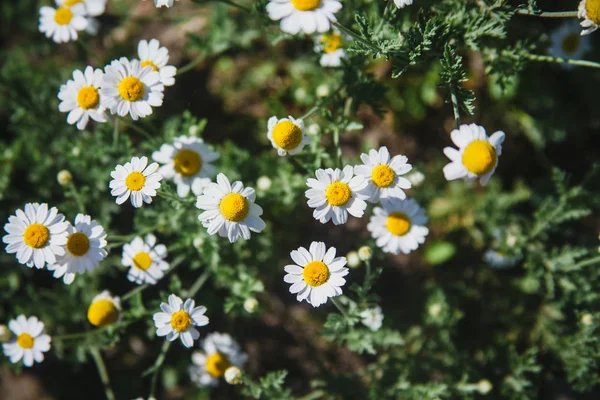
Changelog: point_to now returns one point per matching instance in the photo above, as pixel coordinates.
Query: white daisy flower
(477, 155)
(188, 163)
(287, 135)
(146, 259)
(382, 174)
(62, 24)
(402, 3)
(317, 275)
(84, 249)
(163, 3)
(80, 97)
(372, 318)
(136, 180)
(398, 227)
(178, 319)
(38, 235)
(230, 210)
(335, 193)
(589, 11)
(93, 8)
(129, 88)
(151, 54)
(330, 44)
(105, 309)
(566, 42)
(219, 352)
(29, 343)
(308, 16)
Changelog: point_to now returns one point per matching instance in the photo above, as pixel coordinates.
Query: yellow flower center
(103, 312)
(306, 5)
(78, 244)
(234, 207)
(383, 176)
(88, 97)
(142, 260)
(570, 43)
(187, 162)
(36, 236)
(338, 193)
(398, 223)
(25, 341)
(592, 8)
(131, 89)
(287, 135)
(149, 63)
(331, 42)
(135, 181)
(180, 321)
(216, 364)
(479, 157)
(70, 3)
(63, 16)
(315, 273)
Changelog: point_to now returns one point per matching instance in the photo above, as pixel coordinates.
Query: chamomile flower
(188, 163)
(80, 98)
(308, 16)
(146, 259)
(29, 343)
(178, 319)
(477, 155)
(105, 309)
(37, 235)
(402, 3)
(229, 210)
(287, 135)
(372, 318)
(137, 180)
(383, 174)
(317, 274)
(151, 54)
(219, 352)
(62, 23)
(330, 45)
(163, 3)
(566, 42)
(129, 88)
(93, 8)
(84, 249)
(398, 227)
(335, 193)
(589, 11)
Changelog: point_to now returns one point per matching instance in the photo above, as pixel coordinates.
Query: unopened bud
(64, 177)
(365, 253)
(484, 386)
(264, 183)
(233, 375)
(587, 319)
(353, 259)
(193, 130)
(5, 334)
(251, 305)
(313, 129)
(323, 91)
(434, 310)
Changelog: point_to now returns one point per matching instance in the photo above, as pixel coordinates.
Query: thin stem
(383, 18)
(356, 36)
(584, 263)
(233, 4)
(116, 133)
(157, 364)
(338, 149)
(103, 373)
(145, 286)
(140, 130)
(196, 286)
(556, 14)
(78, 335)
(77, 197)
(455, 108)
(581, 63)
(191, 65)
(310, 112)
(339, 306)
(367, 272)
(299, 164)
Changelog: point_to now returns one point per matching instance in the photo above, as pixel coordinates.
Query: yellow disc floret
(180, 321)
(234, 207)
(479, 157)
(187, 162)
(149, 63)
(135, 181)
(142, 260)
(383, 176)
(315, 273)
(63, 16)
(287, 135)
(70, 3)
(88, 97)
(570, 43)
(103, 312)
(25, 341)
(338, 193)
(36, 236)
(398, 223)
(131, 89)
(306, 5)
(592, 9)
(216, 364)
(78, 244)
(331, 42)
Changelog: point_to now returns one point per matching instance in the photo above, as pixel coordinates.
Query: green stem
(367, 272)
(145, 286)
(338, 149)
(356, 36)
(140, 130)
(339, 306)
(557, 14)
(116, 133)
(191, 65)
(103, 373)
(455, 107)
(196, 286)
(77, 197)
(584, 263)
(157, 364)
(581, 63)
(310, 112)
(383, 18)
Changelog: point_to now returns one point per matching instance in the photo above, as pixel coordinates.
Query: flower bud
(64, 177)
(198, 242)
(193, 130)
(233, 375)
(251, 305)
(323, 91)
(434, 310)
(264, 183)
(353, 259)
(313, 129)
(484, 386)
(587, 319)
(5, 334)
(365, 253)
